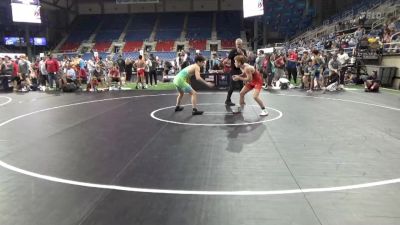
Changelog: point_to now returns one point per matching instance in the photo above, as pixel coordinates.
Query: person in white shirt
(343, 59)
(147, 70)
(43, 72)
(91, 67)
(68, 77)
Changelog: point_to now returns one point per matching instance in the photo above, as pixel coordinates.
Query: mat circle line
(152, 114)
(190, 192)
(5, 103)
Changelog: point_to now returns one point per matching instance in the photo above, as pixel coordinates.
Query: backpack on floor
(70, 87)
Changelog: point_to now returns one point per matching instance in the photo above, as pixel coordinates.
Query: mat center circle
(216, 114)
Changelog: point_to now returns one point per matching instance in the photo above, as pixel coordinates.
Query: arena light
(26, 11)
(253, 8)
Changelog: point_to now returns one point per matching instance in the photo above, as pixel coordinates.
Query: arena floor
(126, 158)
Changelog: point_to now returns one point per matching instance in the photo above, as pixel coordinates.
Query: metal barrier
(391, 47)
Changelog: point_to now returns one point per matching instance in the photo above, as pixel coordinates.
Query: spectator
(115, 76)
(128, 69)
(153, 69)
(68, 82)
(121, 65)
(315, 73)
(359, 33)
(372, 83)
(52, 68)
(213, 63)
(97, 77)
(334, 67)
(24, 73)
(279, 64)
(343, 58)
(292, 66)
(43, 73)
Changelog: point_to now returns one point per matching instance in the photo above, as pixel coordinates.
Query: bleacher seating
(169, 29)
(165, 46)
(227, 44)
(142, 21)
(111, 28)
(132, 55)
(162, 55)
(107, 36)
(199, 26)
(140, 27)
(83, 28)
(115, 22)
(87, 56)
(136, 35)
(69, 47)
(131, 46)
(165, 55)
(287, 16)
(168, 34)
(171, 21)
(85, 22)
(228, 25)
(170, 26)
(77, 36)
(69, 55)
(198, 44)
(101, 46)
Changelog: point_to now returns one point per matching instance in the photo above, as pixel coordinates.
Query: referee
(235, 71)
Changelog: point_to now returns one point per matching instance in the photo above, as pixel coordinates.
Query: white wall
(231, 5)
(392, 61)
(112, 8)
(170, 6)
(63, 3)
(395, 62)
(89, 8)
(142, 8)
(205, 5)
(177, 5)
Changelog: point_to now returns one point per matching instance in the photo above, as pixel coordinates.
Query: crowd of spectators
(385, 39)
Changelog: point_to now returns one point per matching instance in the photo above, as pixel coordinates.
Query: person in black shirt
(235, 71)
(121, 65)
(128, 69)
(153, 70)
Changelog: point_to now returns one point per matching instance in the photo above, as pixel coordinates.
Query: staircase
(93, 36)
(184, 29)
(123, 34)
(153, 33)
(214, 28)
(57, 48)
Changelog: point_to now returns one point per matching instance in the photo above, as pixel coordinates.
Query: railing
(371, 5)
(391, 48)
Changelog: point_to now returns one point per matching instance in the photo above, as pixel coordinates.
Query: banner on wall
(253, 8)
(20, 41)
(136, 1)
(26, 11)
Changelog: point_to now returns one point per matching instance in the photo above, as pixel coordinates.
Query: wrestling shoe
(264, 112)
(196, 112)
(178, 108)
